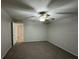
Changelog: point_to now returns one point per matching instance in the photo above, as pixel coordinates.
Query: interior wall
(5, 33)
(35, 31)
(64, 33)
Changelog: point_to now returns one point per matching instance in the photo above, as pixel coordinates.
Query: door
(18, 33)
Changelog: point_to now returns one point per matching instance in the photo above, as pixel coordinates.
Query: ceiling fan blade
(65, 9)
(66, 18)
(30, 16)
(67, 13)
(58, 3)
(51, 2)
(20, 14)
(17, 4)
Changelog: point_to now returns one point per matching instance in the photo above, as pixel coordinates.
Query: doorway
(18, 33)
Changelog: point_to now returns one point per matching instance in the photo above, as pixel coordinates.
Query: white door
(18, 33)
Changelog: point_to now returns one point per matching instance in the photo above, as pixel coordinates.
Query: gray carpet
(37, 50)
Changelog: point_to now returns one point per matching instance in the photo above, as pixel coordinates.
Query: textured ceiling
(22, 9)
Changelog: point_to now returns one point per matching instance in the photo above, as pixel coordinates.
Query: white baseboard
(5, 53)
(35, 40)
(62, 47)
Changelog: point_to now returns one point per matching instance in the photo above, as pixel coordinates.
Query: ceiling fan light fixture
(42, 19)
(43, 16)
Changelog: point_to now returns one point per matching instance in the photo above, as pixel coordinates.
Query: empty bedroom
(39, 29)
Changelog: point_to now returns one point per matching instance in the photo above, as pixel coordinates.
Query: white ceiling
(22, 9)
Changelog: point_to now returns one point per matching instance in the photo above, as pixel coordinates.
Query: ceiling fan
(43, 16)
